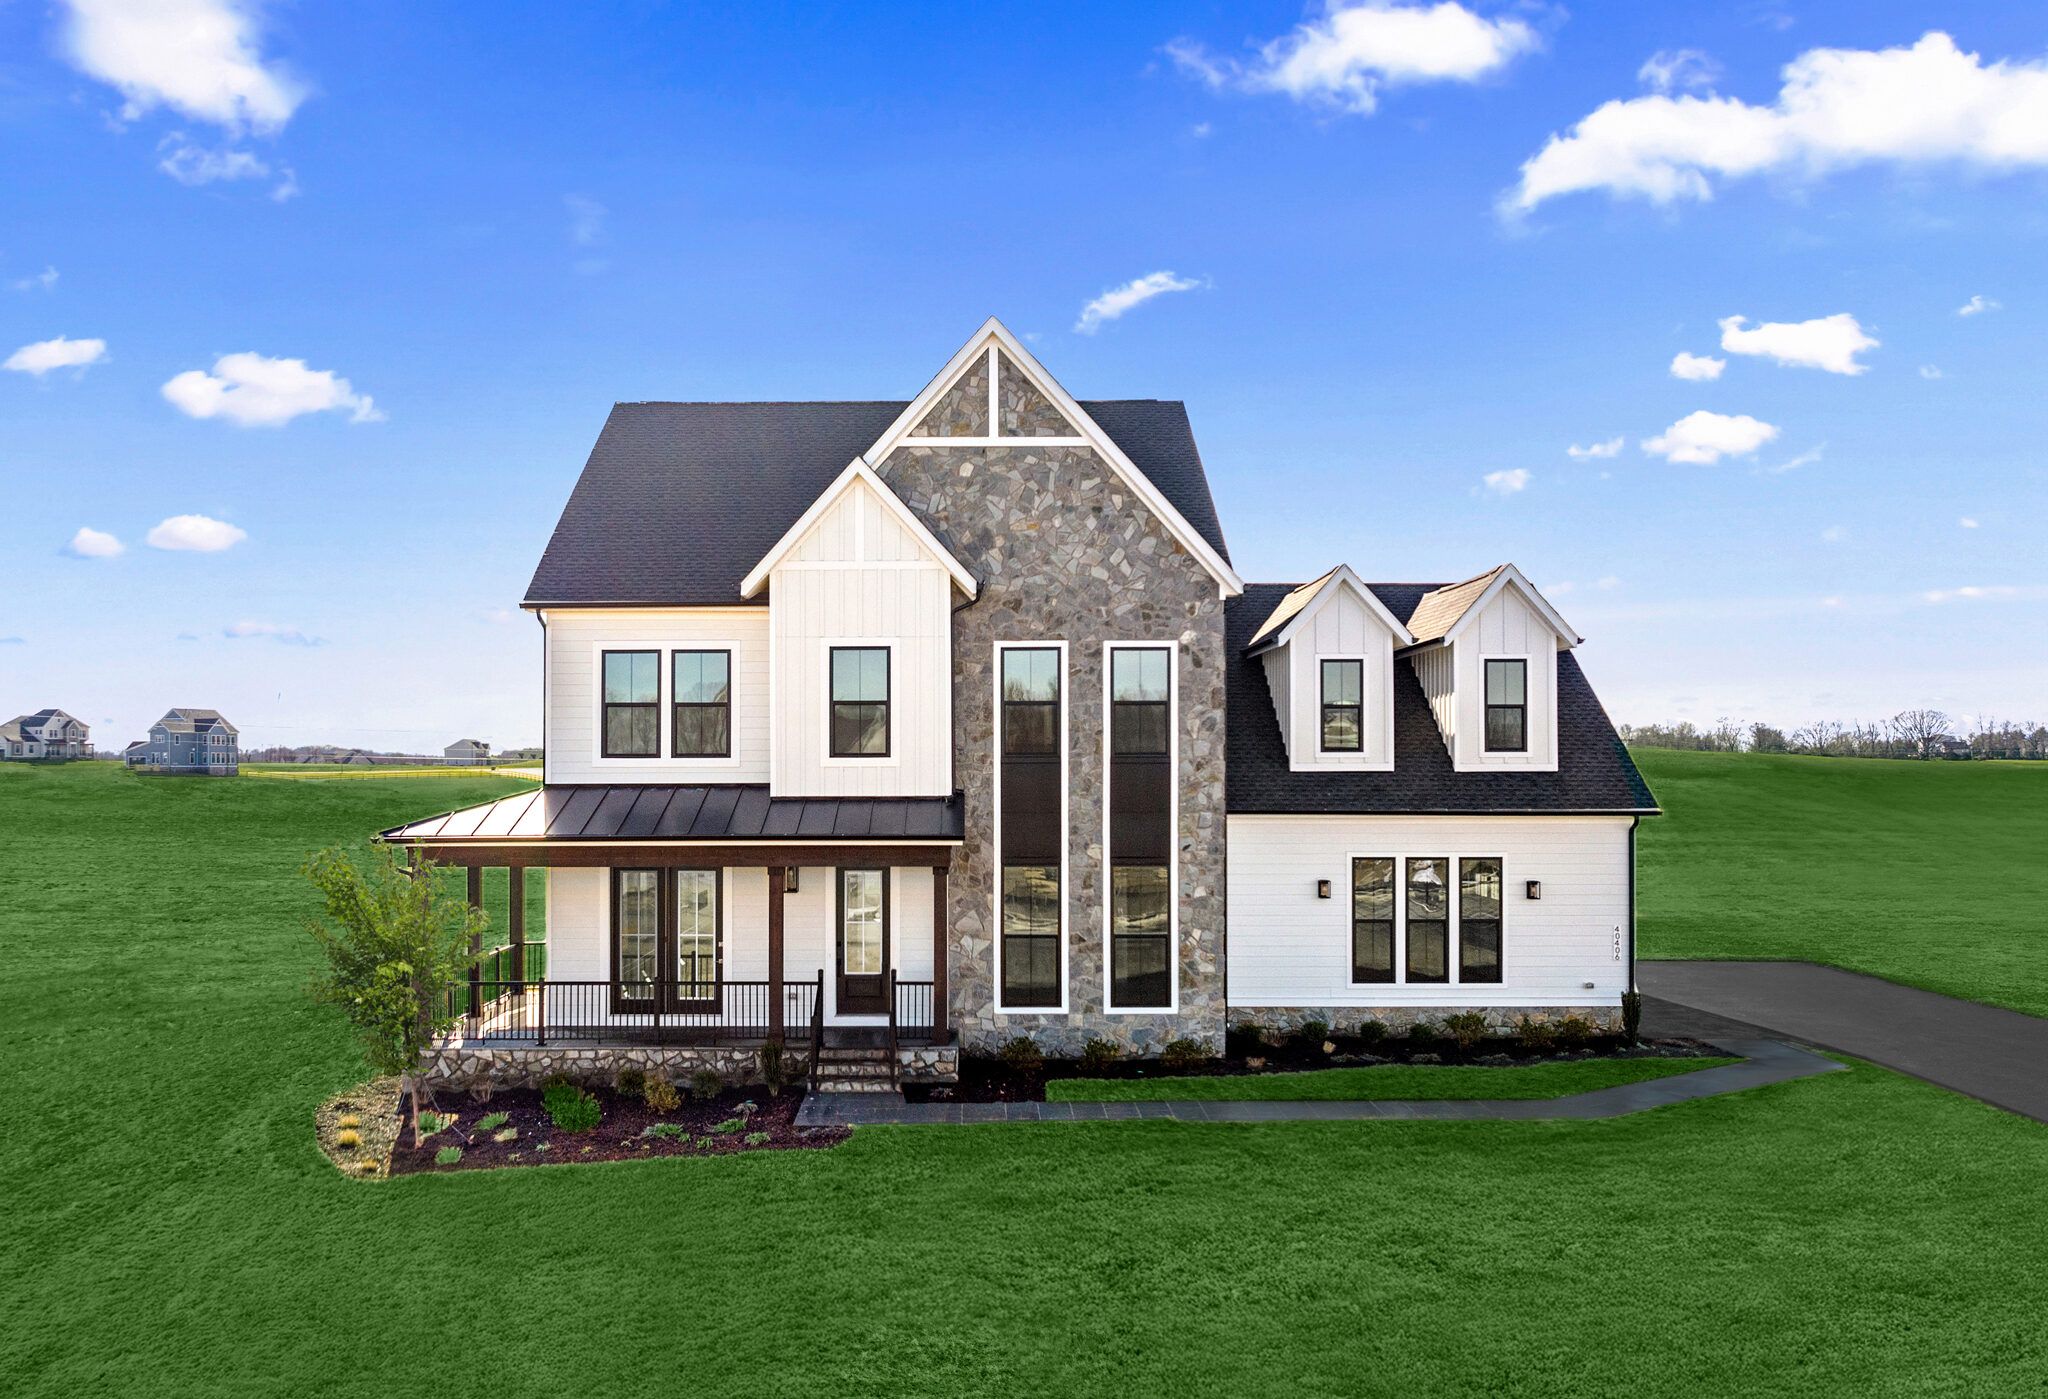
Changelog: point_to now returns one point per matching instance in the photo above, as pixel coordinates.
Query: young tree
(397, 948)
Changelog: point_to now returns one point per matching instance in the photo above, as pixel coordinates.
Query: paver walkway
(1997, 1055)
(1764, 1061)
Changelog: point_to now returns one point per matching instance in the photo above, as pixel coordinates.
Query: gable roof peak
(858, 473)
(1300, 604)
(1444, 612)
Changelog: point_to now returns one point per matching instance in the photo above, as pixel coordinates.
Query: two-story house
(46, 736)
(944, 722)
(187, 743)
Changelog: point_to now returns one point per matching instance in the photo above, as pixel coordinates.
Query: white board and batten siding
(1290, 948)
(577, 639)
(859, 578)
(1453, 679)
(1341, 628)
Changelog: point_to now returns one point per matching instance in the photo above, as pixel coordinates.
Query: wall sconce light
(789, 879)
(1534, 888)
(1322, 888)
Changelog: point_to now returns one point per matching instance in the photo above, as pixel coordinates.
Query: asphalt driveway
(1999, 1056)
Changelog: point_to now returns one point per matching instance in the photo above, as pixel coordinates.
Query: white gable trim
(1510, 574)
(857, 470)
(1340, 574)
(994, 334)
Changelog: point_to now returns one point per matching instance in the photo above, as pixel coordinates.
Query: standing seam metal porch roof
(567, 812)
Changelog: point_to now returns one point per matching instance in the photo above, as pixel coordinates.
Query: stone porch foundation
(461, 1066)
(1345, 1020)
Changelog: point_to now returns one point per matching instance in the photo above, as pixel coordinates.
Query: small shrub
(1372, 1031)
(432, 1122)
(1573, 1031)
(493, 1122)
(1422, 1032)
(1098, 1055)
(729, 1126)
(574, 1111)
(1536, 1036)
(661, 1095)
(631, 1083)
(1632, 1016)
(706, 1085)
(348, 1120)
(347, 1138)
(1243, 1041)
(447, 1156)
(508, 1134)
(557, 1096)
(1023, 1056)
(1312, 1034)
(773, 1072)
(756, 1138)
(1180, 1055)
(556, 1081)
(666, 1129)
(1467, 1029)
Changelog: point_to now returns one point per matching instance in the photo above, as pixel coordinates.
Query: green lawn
(1934, 874)
(168, 1227)
(1379, 1082)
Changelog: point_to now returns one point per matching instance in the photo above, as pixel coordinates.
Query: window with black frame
(700, 704)
(636, 934)
(632, 700)
(1141, 838)
(1372, 920)
(1479, 889)
(1507, 706)
(860, 701)
(1429, 920)
(1033, 828)
(697, 930)
(1343, 706)
(1140, 954)
(1140, 690)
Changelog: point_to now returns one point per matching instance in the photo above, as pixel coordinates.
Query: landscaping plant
(493, 1122)
(1099, 1054)
(1244, 1041)
(447, 1156)
(1467, 1028)
(661, 1095)
(772, 1070)
(1632, 1016)
(631, 1083)
(1536, 1036)
(1023, 1056)
(1309, 1038)
(1372, 1031)
(706, 1085)
(1573, 1031)
(1181, 1055)
(572, 1109)
(396, 946)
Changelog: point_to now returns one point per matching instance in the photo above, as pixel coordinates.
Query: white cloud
(1977, 306)
(195, 534)
(1967, 522)
(1346, 57)
(1826, 342)
(586, 219)
(195, 165)
(1949, 594)
(90, 543)
(1834, 534)
(1931, 371)
(1506, 482)
(1803, 459)
(45, 355)
(1677, 68)
(286, 188)
(1113, 303)
(1705, 438)
(45, 279)
(253, 389)
(1838, 108)
(199, 57)
(288, 636)
(1610, 448)
(1691, 366)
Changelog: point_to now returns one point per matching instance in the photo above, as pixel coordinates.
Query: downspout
(546, 694)
(1633, 822)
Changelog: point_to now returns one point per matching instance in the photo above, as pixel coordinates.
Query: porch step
(848, 1070)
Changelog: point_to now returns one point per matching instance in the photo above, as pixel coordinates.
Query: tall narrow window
(700, 696)
(1479, 920)
(860, 701)
(1141, 828)
(1507, 706)
(636, 934)
(1372, 920)
(1034, 826)
(1429, 920)
(1343, 706)
(632, 699)
(697, 968)
(863, 952)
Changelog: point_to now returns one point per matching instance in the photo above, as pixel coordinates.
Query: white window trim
(1066, 887)
(1511, 757)
(1455, 916)
(1172, 648)
(872, 643)
(1321, 759)
(664, 717)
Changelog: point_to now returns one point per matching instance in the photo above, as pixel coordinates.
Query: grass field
(170, 1229)
(1934, 874)
(1378, 1082)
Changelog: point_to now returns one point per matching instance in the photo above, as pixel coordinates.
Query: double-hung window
(1429, 920)
(1507, 706)
(1479, 886)
(1372, 920)
(1343, 706)
(1034, 826)
(700, 701)
(632, 703)
(860, 702)
(1141, 834)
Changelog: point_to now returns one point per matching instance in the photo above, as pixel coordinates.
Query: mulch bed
(985, 1078)
(617, 1137)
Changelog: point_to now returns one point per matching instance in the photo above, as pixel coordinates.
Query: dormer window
(860, 701)
(1343, 706)
(1507, 706)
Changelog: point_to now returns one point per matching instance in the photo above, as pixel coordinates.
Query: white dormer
(1486, 653)
(1328, 650)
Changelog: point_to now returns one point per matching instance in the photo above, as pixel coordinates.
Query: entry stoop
(850, 1070)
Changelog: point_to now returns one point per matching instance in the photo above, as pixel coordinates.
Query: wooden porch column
(775, 879)
(939, 954)
(517, 924)
(476, 944)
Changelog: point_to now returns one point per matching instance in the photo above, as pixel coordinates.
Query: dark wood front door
(863, 943)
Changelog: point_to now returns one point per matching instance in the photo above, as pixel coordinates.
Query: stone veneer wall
(1025, 411)
(1399, 1019)
(474, 1066)
(1064, 551)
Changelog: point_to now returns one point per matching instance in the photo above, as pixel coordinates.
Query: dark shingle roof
(706, 813)
(679, 500)
(1594, 771)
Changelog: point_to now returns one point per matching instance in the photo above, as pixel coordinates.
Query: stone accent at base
(1345, 1020)
(460, 1066)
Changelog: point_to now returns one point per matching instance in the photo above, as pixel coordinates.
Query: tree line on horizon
(1911, 733)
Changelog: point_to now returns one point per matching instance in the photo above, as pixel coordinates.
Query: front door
(863, 942)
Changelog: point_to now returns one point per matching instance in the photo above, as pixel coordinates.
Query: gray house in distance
(189, 743)
(468, 750)
(46, 736)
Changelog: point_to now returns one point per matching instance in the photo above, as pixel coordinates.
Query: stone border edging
(1763, 1062)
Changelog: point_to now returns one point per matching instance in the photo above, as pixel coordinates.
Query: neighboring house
(467, 750)
(46, 736)
(187, 743)
(943, 722)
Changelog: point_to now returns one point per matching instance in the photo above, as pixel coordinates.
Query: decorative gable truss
(995, 393)
(1499, 716)
(1339, 715)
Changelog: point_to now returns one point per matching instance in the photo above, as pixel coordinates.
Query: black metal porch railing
(912, 1017)
(551, 1012)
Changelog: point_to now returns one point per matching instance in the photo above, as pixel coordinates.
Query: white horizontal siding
(1290, 948)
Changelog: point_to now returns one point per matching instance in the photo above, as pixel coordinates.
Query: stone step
(847, 1056)
(856, 1071)
(856, 1085)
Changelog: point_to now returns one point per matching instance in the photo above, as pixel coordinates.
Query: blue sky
(476, 227)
